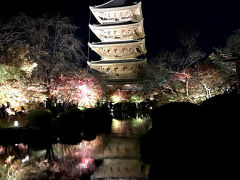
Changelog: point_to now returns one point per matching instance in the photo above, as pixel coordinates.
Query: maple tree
(80, 89)
(199, 83)
(44, 45)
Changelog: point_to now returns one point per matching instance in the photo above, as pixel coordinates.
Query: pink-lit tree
(198, 83)
(76, 88)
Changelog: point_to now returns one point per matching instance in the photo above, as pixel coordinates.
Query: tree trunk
(208, 91)
(187, 90)
(49, 153)
(47, 80)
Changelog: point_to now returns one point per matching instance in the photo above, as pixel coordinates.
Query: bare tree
(51, 41)
(184, 56)
(178, 61)
(188, 38)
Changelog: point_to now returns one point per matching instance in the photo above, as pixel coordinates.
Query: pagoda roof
(114, 24)
(116, 42)
(116, 61)
(117, 3)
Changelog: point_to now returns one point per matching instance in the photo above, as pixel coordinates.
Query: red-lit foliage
(197, 83)
(77, 89)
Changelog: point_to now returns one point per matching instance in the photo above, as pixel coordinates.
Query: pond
(114, 155)
(121, 154)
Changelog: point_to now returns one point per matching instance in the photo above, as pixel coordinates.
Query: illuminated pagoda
(122, 44)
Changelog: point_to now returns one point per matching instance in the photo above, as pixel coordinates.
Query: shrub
(40, 118)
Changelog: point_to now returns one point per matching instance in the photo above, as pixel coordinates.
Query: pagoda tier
(111, 15)
(119, 32)
(117, 3)
(119, 69)
(119, 50)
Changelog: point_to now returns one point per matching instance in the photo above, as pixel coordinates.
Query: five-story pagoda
(122, 47)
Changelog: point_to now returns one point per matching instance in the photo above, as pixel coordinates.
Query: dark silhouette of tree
(193, 141)
(176, 134)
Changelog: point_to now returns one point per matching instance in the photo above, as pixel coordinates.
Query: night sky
(214, 19)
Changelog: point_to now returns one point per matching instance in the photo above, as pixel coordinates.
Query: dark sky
(214, 19)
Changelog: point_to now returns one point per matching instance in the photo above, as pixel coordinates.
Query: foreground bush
(40, 118)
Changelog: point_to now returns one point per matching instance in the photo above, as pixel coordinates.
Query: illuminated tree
(167, 67)
(15, 58)
(184, 76)
(51, 42)
(21, 93)
(16, 86)
(48, 43)
(78, 89)
(205, 80)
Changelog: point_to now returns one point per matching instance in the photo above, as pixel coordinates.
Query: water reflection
(118, 152)
(131, 127)
(121, 152)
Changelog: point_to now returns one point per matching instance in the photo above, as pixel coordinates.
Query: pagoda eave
(114, 26)
(115, 62)
(100, 7)
(114, 15)
(119, 32)
(121, 50)
(119, 70)
(113, 44)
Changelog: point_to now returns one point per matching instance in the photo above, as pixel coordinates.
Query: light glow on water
(15, 124)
